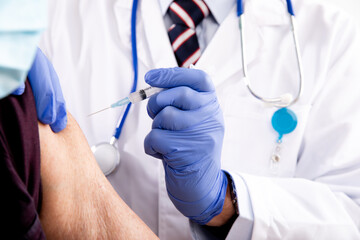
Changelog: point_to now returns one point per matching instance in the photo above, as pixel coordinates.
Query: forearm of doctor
(78, 201)
(227, 212)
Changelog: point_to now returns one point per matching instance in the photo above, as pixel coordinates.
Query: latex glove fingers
(179, 149)
(172, 118)
(187, 134)
(39, 75)
(183, 98)
(176, 77)
(153, 143)
(50, 103)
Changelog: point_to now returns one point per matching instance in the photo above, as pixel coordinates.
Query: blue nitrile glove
(50, 103)
(187, 134)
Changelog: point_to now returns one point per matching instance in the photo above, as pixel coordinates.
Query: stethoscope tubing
(276, 102)
(240, 11)
(240, 7)
(119, 128)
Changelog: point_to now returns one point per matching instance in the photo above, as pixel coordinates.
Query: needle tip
(97, 112)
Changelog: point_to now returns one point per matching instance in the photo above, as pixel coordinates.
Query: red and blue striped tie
(186, 15)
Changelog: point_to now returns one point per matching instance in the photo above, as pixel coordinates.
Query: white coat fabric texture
(314, 193)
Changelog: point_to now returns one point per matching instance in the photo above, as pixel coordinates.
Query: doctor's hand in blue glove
(50, 103)
(187, 134)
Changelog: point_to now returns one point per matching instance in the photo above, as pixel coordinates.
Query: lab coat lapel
(153, 44)
(222, 57)
(267, 12)
(156, 35)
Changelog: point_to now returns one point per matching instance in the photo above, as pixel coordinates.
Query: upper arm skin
(78, 201)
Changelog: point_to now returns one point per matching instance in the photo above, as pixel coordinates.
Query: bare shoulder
(78, 201)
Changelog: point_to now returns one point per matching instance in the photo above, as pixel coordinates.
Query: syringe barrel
(144, 94)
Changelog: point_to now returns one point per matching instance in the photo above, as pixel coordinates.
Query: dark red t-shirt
(20, 182)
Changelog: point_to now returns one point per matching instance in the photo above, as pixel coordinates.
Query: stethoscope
(286, 99)
(107, 154)
(283, 121)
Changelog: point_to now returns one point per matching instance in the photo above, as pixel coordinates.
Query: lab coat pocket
(250, 139)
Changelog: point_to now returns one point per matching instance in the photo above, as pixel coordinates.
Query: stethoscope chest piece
(107, 156)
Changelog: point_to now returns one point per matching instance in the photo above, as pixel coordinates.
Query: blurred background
(350, 6)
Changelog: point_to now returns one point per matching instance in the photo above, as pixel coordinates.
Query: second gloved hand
(187, 134)
(50, 103)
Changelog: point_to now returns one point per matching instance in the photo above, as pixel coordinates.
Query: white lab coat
(313, 193)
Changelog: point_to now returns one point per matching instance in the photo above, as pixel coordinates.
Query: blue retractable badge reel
(284, 121)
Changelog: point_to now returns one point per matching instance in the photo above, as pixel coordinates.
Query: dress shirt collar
(219, 8)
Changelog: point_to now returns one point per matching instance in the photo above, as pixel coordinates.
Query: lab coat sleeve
(322, 200)
(243, 225)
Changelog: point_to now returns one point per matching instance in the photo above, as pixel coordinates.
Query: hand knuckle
(186, 93)
(151, 106)
(153, 136)
(168, 113)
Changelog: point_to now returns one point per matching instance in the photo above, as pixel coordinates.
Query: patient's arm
(78, 201)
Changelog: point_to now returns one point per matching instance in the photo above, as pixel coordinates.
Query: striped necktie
(186, 15)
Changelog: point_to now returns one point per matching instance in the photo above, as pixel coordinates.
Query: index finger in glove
(154, 143)
(39, 77)
(175, 77)
(183, 98)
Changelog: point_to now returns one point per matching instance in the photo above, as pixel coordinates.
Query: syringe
(134, 97)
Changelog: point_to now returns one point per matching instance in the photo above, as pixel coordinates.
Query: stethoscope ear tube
(290, 7)
(286, 99)
(240, 8)
(135, 66)
(282, 101)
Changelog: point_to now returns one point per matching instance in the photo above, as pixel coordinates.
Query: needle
(98, 111)
(134, 97)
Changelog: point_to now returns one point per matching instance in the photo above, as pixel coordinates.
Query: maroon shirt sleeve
(20, 168)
